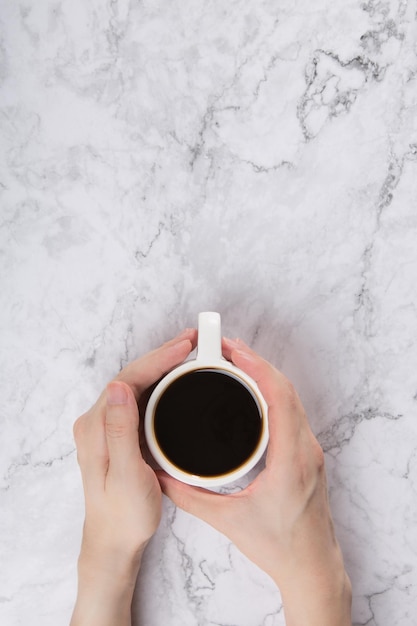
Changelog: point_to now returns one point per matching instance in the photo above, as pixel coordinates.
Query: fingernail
(184, 333)
(232, 342)
(245, 355)
(116, 394)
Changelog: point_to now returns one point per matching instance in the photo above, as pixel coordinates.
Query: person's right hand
(281, 521)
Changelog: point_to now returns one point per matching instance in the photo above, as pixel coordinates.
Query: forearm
(105, 591)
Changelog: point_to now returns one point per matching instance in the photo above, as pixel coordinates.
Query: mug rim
(215, 480)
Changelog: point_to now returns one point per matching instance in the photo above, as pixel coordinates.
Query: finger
(285, 411)
(187, 333)
(274, 384)
(143, 372)
(92, 453)
(121, 427)
(211, 507)
(228, 345)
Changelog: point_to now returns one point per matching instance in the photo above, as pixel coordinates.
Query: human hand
(281, 521)
(122, 493)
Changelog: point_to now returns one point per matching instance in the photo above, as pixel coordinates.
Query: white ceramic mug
(209, 359)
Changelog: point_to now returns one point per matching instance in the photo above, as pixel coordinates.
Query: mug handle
(209, 347)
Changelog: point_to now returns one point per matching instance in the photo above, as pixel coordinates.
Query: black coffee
(207, 423)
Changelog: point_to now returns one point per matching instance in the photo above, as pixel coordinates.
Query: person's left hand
(122, 494)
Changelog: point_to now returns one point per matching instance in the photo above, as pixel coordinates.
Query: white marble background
(158, 158)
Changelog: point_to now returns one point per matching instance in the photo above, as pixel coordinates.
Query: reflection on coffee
(207, 423)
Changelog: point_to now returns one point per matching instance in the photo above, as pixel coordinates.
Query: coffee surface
(207, 423)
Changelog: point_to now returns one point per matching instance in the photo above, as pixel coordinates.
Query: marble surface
(162, 158)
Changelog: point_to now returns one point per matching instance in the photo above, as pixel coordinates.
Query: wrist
(106, 582)
(318, 598)
(105, 562)
(331, 608)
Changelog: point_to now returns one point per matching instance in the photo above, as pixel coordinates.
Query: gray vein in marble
(389, 584)
(373, 40)
(412, 459)
(262, 169)
(333, 86)
(386, 25)
(341, 431)
(25, 462)
(364, 302)
(209, 115)
(140, 254)
(187, 565)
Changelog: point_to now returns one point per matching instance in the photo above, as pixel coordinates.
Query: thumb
(208, 506)
(121, 425)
